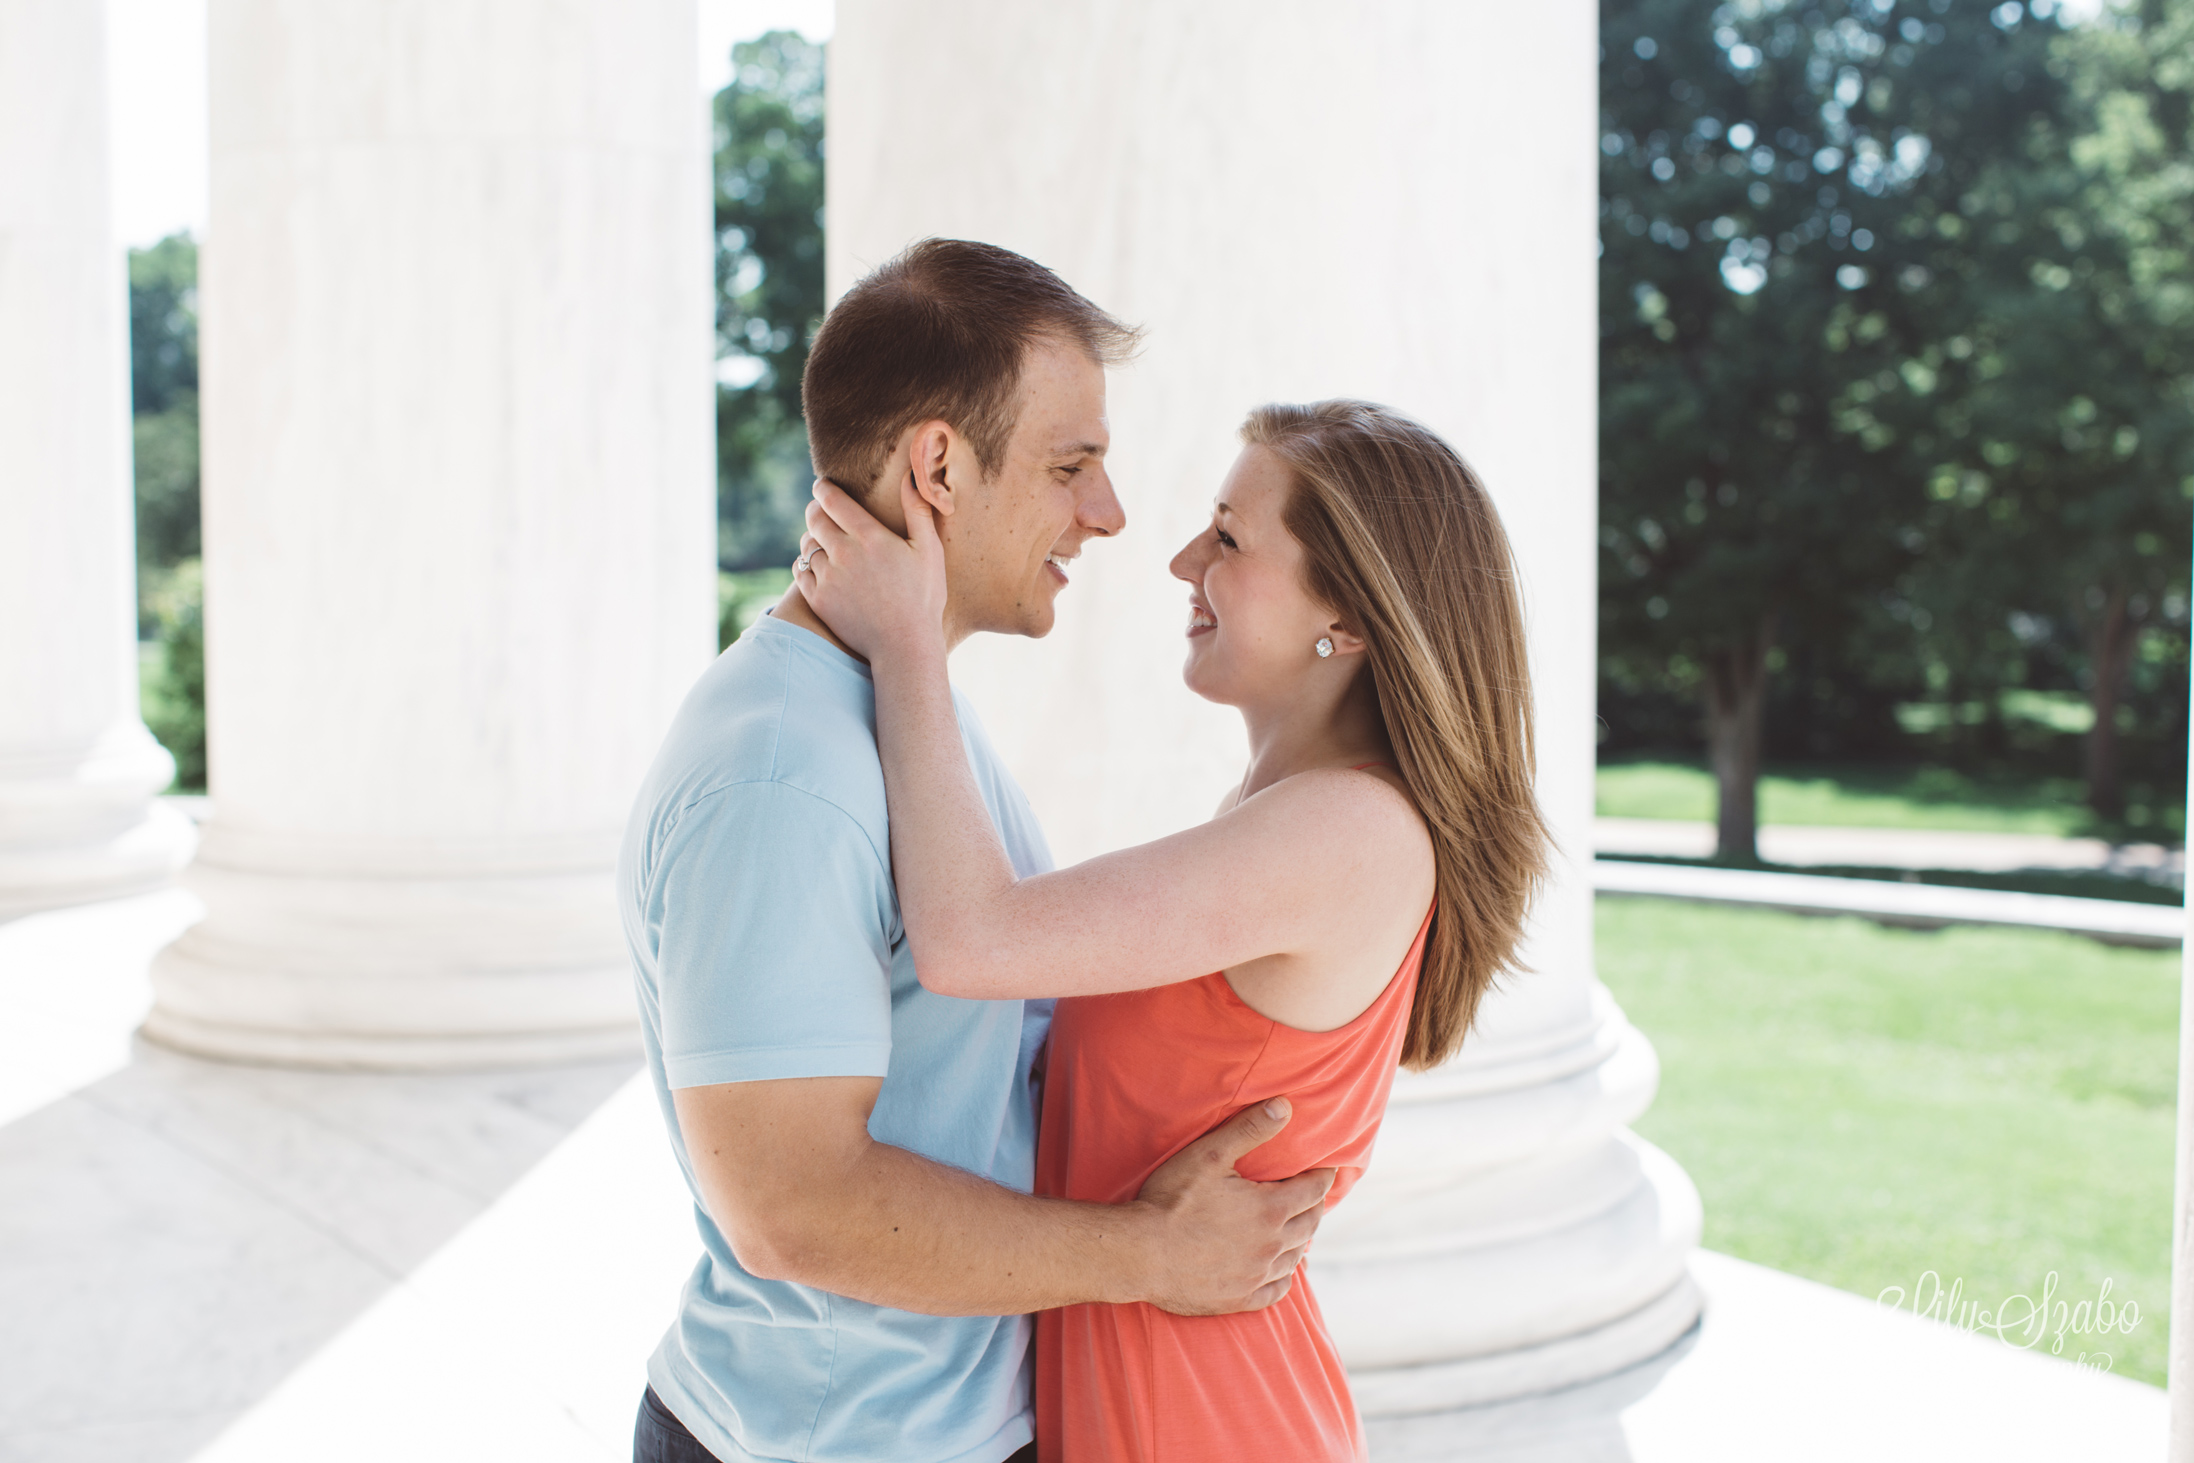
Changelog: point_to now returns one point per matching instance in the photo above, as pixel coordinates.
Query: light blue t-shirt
(755, 884)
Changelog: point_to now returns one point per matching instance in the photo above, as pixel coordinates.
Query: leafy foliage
(742, 597)
(163, 282)
(163, 297)
(163, 325)
(2091, 431)
(174, 686)
(769, 278)
(1894, 406)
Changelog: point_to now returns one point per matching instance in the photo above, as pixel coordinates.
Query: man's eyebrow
(1080, 449)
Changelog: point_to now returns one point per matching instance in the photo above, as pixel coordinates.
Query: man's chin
(1038, 615)
(1031, 624)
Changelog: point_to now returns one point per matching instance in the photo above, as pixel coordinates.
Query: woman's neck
(1312, 731)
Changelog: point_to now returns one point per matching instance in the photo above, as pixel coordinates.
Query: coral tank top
(1133, 1078)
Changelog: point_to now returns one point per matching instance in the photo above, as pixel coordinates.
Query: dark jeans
(659, 1437)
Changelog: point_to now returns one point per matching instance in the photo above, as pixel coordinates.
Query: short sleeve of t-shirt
(774, 958)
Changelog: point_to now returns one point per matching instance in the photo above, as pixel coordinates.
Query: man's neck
(794, 609)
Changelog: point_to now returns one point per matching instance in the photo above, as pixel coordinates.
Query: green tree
(769, 280)
(2064, 438)
(1773, 177)
(163, 284)
(163, 298)
(2092, 427)
(174, 688)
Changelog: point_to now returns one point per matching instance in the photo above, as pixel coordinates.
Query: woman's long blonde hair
(1402, 542)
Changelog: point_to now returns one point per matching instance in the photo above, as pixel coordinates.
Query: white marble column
(78, 770)
(1303, 200)
(459, 518)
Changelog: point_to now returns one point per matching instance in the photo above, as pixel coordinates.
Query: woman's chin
(1198, 679)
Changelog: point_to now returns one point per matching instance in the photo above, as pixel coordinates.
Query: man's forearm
(791, 1176)
(897, 1229)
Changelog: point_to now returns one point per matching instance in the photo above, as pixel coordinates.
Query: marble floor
(178, 1236)
(232, 1265)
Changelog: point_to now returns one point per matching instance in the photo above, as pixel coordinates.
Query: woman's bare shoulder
(1361, 808)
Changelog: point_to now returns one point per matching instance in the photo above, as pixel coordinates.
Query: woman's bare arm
(1271, 877)
(1312, 860)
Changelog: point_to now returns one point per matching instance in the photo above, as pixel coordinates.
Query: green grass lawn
(1925, 797)
(1861, 1105)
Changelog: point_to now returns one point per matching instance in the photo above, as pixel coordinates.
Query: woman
(1345, 910)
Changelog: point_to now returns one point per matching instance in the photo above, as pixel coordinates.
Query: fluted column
(78, 770)
(1305, 200)
(458, 518)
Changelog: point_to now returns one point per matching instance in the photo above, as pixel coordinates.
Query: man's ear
(935, 444)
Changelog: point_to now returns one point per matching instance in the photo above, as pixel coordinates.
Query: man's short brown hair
(940, 332)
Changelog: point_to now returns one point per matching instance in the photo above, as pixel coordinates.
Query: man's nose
(1101, 510)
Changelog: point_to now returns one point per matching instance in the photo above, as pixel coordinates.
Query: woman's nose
(1188, 565)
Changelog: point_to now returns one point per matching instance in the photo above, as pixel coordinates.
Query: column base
(1532, 1313)
(363, 1051)
(1511, 1236)
(84, 826)
(1533, 1371)
(383, 972)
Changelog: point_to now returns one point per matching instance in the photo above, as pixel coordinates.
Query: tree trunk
(1736, 686)
(2110, 648)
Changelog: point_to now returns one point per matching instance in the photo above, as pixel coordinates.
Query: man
(860, 1150)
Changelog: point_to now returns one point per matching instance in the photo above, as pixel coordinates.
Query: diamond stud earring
(1324, 647)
